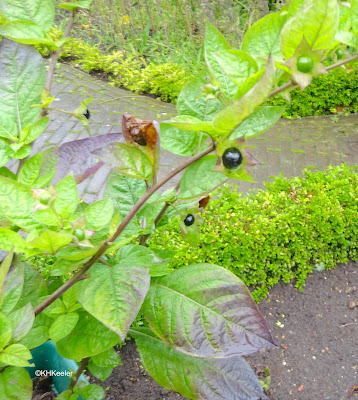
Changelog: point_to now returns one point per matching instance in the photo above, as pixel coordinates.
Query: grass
(161, 31)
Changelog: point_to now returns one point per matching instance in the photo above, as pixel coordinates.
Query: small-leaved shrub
(124, 70)
(277, 233)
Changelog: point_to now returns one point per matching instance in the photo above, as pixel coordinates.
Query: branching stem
(79, 275)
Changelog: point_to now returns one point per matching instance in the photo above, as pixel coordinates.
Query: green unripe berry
(339, 54)
(79, 233)
(305, 64)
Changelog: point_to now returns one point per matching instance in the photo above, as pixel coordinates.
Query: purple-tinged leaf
(77, 157)
(90, 171)
(196, 377)
(206, 311)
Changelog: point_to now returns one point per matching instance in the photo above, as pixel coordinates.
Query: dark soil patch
(42, 389)
(317, 354)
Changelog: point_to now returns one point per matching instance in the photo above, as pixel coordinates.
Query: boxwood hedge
(280, 233)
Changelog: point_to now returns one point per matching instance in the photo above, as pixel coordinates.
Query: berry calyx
(189, 220)
(305, 64)
(79, 233)
(232, 158)
(339, 54)
(87, 114)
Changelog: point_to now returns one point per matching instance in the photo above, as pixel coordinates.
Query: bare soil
(317, 336)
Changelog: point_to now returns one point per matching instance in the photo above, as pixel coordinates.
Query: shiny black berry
(189, 220)
(232, 158)
(87, 114)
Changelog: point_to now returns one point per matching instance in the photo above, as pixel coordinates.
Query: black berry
(189, 220)
(232, 158)
(87, 114)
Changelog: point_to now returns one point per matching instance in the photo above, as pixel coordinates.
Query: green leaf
(12, 289)
(136, 256)
(140, 256)
(258, 122)
(78, 4)
(263, 38)
(214, 40)
(5, 266)
(55, 309)
(15, 384)
(200, 178)
(125, 192)
(16, 355)
(34, 286)
(99, 214)
(51, 241)
(23, 76)
(75, 253)
(227, 120)
(180, 142)
(114, 295)
(67, 395)
(67, 197)
(236, 64)
(26, 32)
(89, 392)
(89, 337)
(48, 168)
(128, 160)
(22, 152)
(191, 234)
(21, 322)
(34, 130)
(17, 204)
(8, 128)
(345, 20)
(195, 377)
(192, 102)
(109, 359)
(4, 171)
(42, 12)
(5, 331)
(101, 373)
(206, 311)
(70, 298)
(294, 7)
(6, 152)
(317, 21)
(30, 170)
(189, 123)
(354, 15)
(46, 217)
(36, 337)
(348, 38)
(63, 326)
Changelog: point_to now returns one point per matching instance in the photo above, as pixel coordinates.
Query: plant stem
(55, 55)
(144, 238)
(81, 368)
(79, 275)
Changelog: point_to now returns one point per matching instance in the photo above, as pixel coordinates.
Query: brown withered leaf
(204, 201)
(144, 133)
